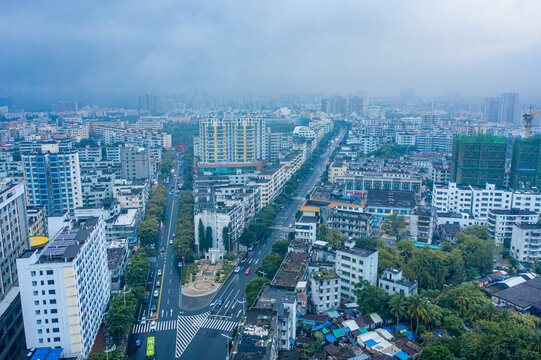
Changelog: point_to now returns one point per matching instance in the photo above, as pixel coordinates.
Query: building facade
(355, 264)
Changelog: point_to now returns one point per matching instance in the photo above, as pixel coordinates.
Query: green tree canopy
(371, 298)
(394, 226)
(332, 236)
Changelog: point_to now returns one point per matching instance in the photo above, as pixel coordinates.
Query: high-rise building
(334, 105)
(478, 160)
(491, 112)
(509, 108)
(13, 243)
(429, 121)
(526, 163)
(232, 138)
(135, 163)
(147, 102)
(52, 177)
(356, 105)
(13, 232)
(65, 288)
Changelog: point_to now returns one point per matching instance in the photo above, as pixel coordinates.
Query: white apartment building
(131, 194)
(479, 201)
(405, 139)
(526, 242)
(325, 291)
(90, 154)
(355, 264)
(306, 229)
(65, 288)
(500, 222)
(393, 282)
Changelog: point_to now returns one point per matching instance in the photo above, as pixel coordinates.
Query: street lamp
(107, 351)
(227, 344)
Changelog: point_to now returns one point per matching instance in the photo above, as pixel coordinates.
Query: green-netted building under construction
(526, 163)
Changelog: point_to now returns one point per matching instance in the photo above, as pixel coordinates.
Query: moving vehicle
(146, 298)
(247, 272)
(171, 242)
(144, 320)
(220, 301)
(138, 342)
(237, 269)
(250, 248)
(150, 348)
(153, 308)
(158, 283)
(159, 272)
(156, 293)
(153, 325)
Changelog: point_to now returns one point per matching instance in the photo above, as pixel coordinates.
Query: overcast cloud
(268, 47)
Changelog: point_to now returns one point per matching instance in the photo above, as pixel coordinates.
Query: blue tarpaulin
(41, 353)
(54, 354)
(402, 355)
(316, 328)
(330, 338)
(410, 335)
(402, 327)
(345, 329)
(370, 343)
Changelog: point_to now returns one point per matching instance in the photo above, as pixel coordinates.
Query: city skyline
(97, 51)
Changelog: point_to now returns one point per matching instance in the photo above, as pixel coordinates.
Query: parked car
(247, 272)
(237, 269)
(156, 293)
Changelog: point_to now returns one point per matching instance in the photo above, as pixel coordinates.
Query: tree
(397, 307)
(436, 352)
(371, 298)
(479, 231)
(332, 236)
(253, 287)
(280, 247)
(453, 324)
(270, 264)
(201, 234)
(477, 253)
(208, 239)
(429, 267)
(461, 298)
(417, 309)
(137, 270)
(394, 226)
(226, 230)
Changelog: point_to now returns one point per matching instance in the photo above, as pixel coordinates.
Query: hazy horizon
(61, 50)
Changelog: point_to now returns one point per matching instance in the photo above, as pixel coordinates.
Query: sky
(70, 48)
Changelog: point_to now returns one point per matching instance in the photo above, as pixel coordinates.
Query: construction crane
(528, 119)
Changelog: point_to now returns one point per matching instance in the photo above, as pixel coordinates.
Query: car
(220, 301)
(143, 320)
(237, 269)
(247, 272)
(156, 293)
(138, 342)
(290, 225)
(171, 242)
(159, 272)
(153, 308)
(180, 264)
(163, 250)
(153, 325)
(250, 248)
(158, 283)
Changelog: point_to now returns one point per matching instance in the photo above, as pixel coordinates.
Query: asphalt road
(192, 328)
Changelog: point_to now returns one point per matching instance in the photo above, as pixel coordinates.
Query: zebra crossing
(187, 327)
(160, 326)
(219, 324)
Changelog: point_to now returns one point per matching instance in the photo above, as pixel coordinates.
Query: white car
(144, 320)
(156, 293)
(153, 325)
(237, 269)
(171, 242)
(160, 272)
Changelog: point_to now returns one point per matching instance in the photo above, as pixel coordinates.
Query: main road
(191, 328)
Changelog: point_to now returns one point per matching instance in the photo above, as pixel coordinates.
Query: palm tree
(417, 309)
(489, 311)
(397, 307)
(475, 312)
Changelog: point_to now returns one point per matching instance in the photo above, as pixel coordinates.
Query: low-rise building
(393, 282)
(526, 242)
(306, 229)
(423, 222)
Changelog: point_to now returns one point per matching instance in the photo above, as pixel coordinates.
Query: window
(40, 340)
(38, 312)
(34, 283)
(55, 330)
(49, 272)
(35, 293)
(51, 292)
(36, 302)
(32, 273)
(50, 282)
(54, 320)
(54, 311)
(52, 301)
(56, 339)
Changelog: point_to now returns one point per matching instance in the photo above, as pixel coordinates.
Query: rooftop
(523, 295)
(392, 199)
(291, 270)
(358, 251)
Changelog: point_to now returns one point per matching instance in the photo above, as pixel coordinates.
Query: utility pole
(107, 351)
(227, 345)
